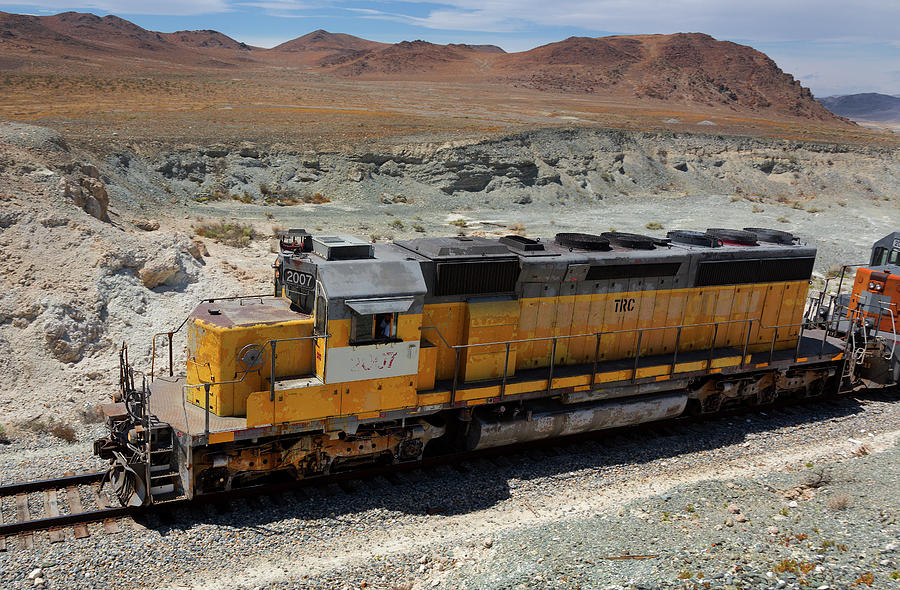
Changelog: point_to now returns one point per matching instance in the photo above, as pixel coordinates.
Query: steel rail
(25, 487)
(41, 524)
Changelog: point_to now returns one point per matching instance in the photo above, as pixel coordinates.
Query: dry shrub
(867, 578)
(231, 234)
(60, 430)
(787, 565)
(838, 502)
(862, 451)
(287, 197)
(91, 414)
(63, 431)
(517, 228)
(817, 478)
(316, 199)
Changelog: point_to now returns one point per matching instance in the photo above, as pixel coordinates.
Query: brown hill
(74, 39)
(21, 31)
(683, 68)
(689, 69)
(320, 47)
(409, 59)
(321, 40)
(108, 31)
(205, 39)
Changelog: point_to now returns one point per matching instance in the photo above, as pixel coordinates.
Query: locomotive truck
(382, 353)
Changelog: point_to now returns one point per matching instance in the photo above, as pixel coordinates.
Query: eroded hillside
(102, 248)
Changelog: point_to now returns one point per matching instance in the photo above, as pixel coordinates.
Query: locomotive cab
(344, 339)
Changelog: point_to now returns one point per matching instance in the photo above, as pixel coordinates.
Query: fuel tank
(553, 421)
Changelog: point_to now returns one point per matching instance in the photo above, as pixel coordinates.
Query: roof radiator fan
(583, 242)
(734, 237)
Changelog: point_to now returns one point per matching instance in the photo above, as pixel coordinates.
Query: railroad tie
(75, 507)
(2, 538)
(109, 524)
(51, 507)
(23, 516)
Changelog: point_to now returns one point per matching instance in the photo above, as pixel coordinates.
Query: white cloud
(279, 7)
(453, 20)
(122, 7)
(762, 20)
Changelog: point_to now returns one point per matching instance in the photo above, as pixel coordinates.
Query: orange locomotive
(875, 303)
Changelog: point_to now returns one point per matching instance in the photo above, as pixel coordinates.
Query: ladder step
(165, 476)
(162, 450)
(163, 489)
(159, 468)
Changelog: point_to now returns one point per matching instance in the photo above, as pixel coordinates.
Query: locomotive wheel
(128, 485)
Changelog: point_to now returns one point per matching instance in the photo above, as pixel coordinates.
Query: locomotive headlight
(879, 287)
(871, 285)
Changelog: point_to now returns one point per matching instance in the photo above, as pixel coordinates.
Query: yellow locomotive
(384, 352)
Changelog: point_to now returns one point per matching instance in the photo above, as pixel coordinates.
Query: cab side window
(321, 314)
(373, 328)
(879, 257)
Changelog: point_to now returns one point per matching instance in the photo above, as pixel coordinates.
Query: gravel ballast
(771, 499)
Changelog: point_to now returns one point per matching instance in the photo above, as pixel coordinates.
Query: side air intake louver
(583, 242)
(740, 272)
(476, 277)
(632, 271)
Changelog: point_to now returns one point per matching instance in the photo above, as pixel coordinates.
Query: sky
(831, 46)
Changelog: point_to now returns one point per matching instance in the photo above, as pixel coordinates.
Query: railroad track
(64, 506)
(54, 505)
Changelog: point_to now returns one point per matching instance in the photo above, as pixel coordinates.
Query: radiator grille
(740, 272)
(632, 271)
(476, 277)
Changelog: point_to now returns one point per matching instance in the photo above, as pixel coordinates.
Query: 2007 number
(295, 278)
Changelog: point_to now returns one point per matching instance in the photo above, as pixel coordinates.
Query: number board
(302, 280)
(896, 245)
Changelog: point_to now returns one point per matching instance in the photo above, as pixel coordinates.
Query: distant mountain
(691, 69)
(318, 47)
(321, 40)
(683, 68)
(73, 38)
(205, 39)
(868, 106)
